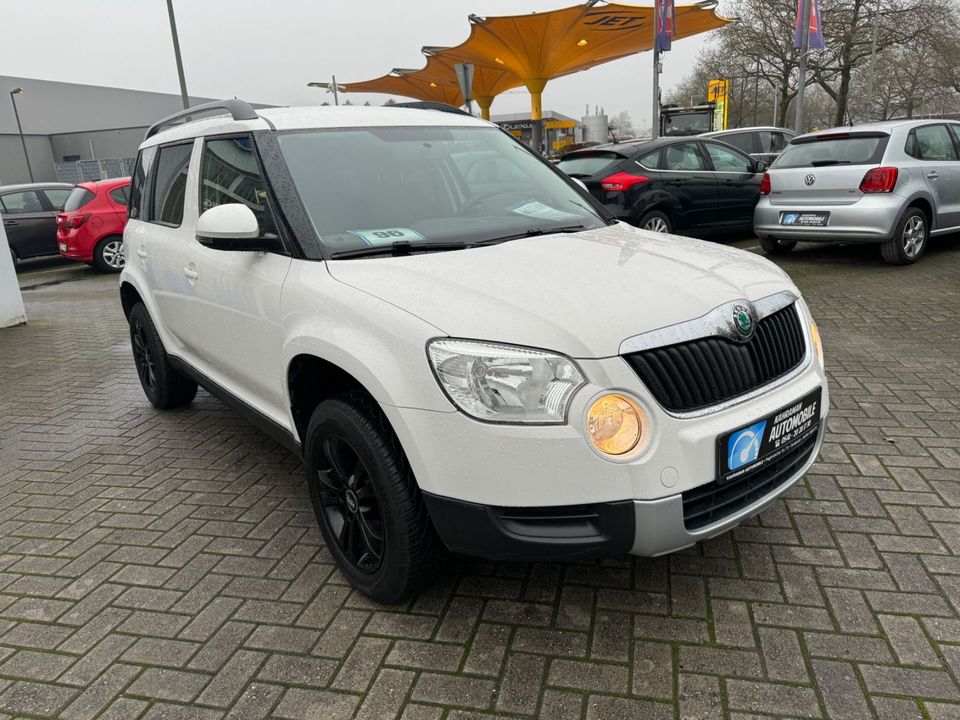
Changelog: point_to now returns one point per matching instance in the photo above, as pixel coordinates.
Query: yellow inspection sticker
(387, 236)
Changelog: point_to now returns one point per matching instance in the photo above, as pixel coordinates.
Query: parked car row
(893, 183)
(81, 222)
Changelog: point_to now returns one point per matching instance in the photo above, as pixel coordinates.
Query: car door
(689, 183)
(738, 184)
(934, 148)
(234, 307)
(30, 222)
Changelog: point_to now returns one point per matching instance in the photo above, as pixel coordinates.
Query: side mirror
(232, 227)
(761, 165)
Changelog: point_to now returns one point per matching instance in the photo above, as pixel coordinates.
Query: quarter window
(931, 142)
(771, 142)
(170, 184)
(230, 174)
(683, 157)
(58, 196)
(20, 203)
(651, 161)
(725, 160)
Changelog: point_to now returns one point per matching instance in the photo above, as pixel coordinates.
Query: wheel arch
(926, 207)
(129, 296)
(310, 379)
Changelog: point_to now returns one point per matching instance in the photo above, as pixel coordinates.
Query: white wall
(11, 303)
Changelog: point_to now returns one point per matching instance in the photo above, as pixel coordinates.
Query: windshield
(833, 151)
(689, 123)
(370, 187)
(587, 164)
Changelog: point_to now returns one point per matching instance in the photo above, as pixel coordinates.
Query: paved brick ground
(168, 565)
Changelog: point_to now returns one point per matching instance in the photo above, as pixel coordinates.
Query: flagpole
(804, 51)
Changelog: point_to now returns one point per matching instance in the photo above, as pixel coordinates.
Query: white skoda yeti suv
(462, 345)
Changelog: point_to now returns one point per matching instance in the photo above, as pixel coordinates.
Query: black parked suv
(678, 185)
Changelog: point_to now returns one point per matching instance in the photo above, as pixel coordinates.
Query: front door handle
(190, 273)
(9, 223)
(933, 174)
(142, 253)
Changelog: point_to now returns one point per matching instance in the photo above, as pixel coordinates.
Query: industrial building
(67, 125)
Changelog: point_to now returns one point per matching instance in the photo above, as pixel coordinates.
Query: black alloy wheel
(349, 503)
(143, 356)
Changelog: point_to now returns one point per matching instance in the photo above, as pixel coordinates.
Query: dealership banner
(815, 41)
(665, 17)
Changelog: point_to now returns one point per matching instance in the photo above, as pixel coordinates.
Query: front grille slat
(699, 373)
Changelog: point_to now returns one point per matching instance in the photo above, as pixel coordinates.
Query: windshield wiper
(533, 232)
(398, 248)
(824, 163)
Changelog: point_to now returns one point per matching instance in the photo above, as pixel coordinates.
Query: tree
(621, 126)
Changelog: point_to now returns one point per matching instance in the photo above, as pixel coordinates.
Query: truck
(692, 120)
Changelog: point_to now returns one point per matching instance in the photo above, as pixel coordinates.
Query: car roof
(630, 148)
(107, 184)
(317, 117)
(35, 186)
(886, 126)
(728, 131)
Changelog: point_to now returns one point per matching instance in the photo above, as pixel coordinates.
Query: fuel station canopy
(529, 50)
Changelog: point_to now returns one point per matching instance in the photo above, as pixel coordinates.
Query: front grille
(714, 501)
(703, 372)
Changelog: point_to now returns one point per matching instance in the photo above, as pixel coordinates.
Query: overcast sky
(267, 51)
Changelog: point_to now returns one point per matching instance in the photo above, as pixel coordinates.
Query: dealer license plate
(750, 448)
(804, 219)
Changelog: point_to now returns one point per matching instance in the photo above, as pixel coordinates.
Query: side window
(770, 141)
(726, 160)
(20, 203)
(138, 185)
(683, 156)
(651, 161)
(58, 196)
(742, 141)
(120, 195)
(931, 142)
(169, 186)
(229, 173)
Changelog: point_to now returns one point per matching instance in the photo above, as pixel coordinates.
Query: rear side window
(683, 157)
(587, 164)
(138, 185)
(741, 141)
(169, 184)
(931, 142)
(20, 203)
(78, 198)
(651, 161)
(58, 196)
(833, 150)
(772, 141)
(230, 173)
(120, 195)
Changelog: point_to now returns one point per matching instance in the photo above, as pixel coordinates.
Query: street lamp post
(176, 52)
(23, 142)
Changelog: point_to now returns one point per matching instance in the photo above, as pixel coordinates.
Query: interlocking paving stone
(168, 565)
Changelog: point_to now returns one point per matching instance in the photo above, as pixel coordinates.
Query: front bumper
(638, 527)
(872, 218)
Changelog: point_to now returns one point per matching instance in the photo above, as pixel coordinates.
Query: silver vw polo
(896, 183)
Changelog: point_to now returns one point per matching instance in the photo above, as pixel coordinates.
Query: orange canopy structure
(529, 50)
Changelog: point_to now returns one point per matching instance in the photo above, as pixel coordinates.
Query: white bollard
(12, 311)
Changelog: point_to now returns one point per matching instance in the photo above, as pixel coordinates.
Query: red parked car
(90, 227)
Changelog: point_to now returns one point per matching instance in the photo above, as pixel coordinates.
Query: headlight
(505, 383)
(615, 424)
(815, 341)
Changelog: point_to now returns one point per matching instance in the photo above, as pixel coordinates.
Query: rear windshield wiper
(533, 232)
(398, 248)
(824, 163)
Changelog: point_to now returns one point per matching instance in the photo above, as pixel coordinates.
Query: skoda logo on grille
(809, 179)
(743, 321)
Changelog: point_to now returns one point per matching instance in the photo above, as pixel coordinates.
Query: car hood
(581, 294)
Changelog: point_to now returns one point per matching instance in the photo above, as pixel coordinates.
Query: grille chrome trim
(717, 322)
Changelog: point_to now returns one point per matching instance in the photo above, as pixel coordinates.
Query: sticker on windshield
(536, 209)
(387, 236)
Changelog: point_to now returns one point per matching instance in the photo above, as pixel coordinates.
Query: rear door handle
(9, 223)
(141, 253)
(191, 273)
(933, 174)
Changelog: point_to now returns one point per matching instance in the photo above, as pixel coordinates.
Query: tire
(108, 255)
(164, 387)
(909, 238)
(655, 221)
(772, 246)
(366, 499)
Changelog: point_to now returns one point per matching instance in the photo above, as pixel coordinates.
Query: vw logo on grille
(809, 179)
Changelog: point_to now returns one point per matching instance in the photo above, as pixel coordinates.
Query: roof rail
(238, 109)
(430, 105)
